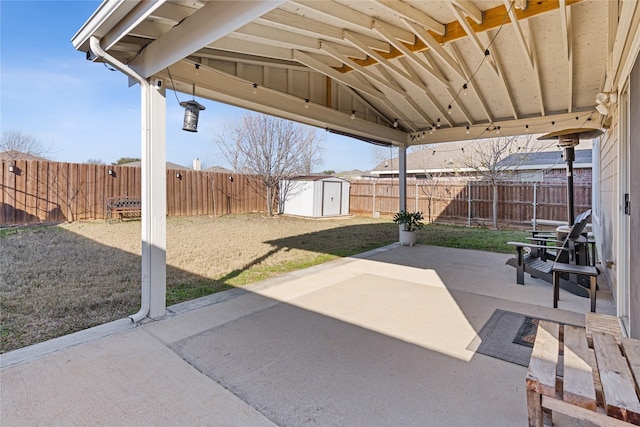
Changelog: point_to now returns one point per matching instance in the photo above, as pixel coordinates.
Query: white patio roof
(385, 71)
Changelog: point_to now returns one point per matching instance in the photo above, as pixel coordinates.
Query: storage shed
(314, 196)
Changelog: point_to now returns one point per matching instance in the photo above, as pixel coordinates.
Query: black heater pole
(569, 157)
(567, 140)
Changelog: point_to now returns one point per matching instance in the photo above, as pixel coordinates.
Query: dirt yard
(59, 279)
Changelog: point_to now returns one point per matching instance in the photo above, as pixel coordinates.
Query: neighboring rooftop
(18, 155)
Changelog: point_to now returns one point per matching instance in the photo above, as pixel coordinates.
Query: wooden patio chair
(537, 259)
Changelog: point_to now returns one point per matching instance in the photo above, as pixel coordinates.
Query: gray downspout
(97, 50)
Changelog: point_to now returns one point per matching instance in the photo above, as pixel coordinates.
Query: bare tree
(270, 150)
(433, 174)
(15, 142)
(488, 160)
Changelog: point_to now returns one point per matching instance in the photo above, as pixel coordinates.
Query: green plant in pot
(409, 222)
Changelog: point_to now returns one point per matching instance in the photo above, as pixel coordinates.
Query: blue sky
(80, 110)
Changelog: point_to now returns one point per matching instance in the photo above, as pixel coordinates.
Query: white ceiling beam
(391, 107)
(536, 125)
(536, 68)
(313, 28)
(172, 13)
(212, 22)
(515, 24)
(384, 32)
(470, 9)
(330, 48)
(405, 97)
(357, 42)
(134, 18)
(350, 16)
(470, 86)
(150, 29)
(343, 78)
(500, 72)
(567, 42)
(435, 47)
(229, 89)
(565, 26)
(410, 13)
(473, 36)
(249, 48)
(276, 37)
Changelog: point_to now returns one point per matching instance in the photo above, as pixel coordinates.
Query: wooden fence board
(449, 200)
(56, 191)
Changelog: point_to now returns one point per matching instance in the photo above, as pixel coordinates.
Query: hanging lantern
(191, 112)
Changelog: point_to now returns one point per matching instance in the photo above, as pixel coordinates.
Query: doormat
(507, 336)
(527, 333)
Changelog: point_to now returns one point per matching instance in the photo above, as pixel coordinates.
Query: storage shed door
(331, 197)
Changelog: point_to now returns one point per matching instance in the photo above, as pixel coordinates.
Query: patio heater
(567, 140)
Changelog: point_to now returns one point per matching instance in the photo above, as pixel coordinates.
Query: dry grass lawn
(55, 280)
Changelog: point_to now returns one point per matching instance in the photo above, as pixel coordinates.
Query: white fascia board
(105, 17)
(212, 22)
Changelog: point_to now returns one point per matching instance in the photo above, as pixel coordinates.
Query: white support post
(535, 206)
(154, 198)
(402, 176)
(469, 203)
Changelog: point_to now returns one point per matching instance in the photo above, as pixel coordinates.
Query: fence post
(373, 205)
(469, 204)
(535, 205)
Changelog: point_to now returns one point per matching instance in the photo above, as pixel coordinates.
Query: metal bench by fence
(123, 207)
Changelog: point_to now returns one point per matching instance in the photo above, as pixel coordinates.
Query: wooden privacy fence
(35, 191)
(469, 202)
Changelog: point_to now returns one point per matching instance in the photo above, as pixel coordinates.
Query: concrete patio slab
(382, 339)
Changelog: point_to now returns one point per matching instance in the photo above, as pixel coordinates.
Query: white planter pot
(407, 238)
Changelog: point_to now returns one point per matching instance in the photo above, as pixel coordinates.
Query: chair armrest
(538, 239)
(531, 245)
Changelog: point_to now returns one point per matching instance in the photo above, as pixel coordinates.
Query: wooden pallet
(597, 384)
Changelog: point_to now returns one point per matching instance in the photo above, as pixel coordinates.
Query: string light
(255, 88)
(467, 132)
(395, 123)
(353, 114)
(449, 110)
(464, 89)
(306, 103)
(438, 122)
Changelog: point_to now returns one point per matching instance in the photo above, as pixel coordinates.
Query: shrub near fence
(463, 202)
(43, 191)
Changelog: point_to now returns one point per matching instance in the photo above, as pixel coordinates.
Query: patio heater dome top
(571, 137)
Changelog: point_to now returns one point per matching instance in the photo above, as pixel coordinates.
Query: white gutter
(97, 50)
